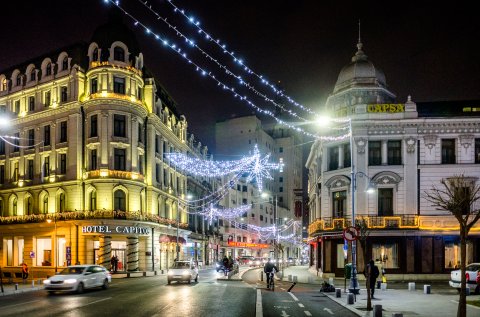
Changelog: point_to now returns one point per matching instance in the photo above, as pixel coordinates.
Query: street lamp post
(178, 225)
(353, 281)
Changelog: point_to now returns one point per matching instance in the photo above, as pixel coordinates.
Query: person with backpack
(372, 275)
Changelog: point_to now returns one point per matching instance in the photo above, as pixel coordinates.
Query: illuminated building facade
(403, 150)
(89, 127)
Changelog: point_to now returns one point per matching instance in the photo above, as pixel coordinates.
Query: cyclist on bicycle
(269, 268)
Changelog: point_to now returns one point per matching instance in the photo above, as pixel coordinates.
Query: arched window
(95, 55)
(45, 204)
(48, 69)
(119, 201)
(33, 75)
(4, 84)
(19, 80)
(14, 206)
(61, 202)
(1, 208)
(119, 54)
(93, 200)
(65, 63)
(29, 205)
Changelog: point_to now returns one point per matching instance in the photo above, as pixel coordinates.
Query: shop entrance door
(120, 253)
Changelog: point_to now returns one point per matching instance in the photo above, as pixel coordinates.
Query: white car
(182, 271)
(472, 274)
(76, 278)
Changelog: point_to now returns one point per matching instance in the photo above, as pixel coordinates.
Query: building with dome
(401, 149)
(82, 169)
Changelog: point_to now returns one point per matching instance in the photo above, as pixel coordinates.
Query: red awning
(165, 238)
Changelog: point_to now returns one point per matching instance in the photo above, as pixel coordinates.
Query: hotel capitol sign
(116, 229)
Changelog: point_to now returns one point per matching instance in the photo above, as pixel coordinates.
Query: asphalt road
(152, 296)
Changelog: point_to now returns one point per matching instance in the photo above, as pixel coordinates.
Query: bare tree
(362, 224)
(459, 195)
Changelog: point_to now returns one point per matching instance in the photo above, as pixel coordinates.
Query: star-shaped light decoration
(260, 168)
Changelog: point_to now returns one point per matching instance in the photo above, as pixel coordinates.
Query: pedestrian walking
(24, 271)
(372, 274)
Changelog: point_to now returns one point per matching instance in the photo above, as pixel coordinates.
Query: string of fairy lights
(239, 61)
(207, 73)
(223, 67)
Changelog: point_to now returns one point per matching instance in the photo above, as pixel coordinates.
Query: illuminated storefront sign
(248, 245)
(115, 229)
(386, 107)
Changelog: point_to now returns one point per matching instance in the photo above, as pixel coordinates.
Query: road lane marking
(23, 303)
(259, 308)
(307, 313)
(301, 305)
(284, 314)
(97, 301)
(294, 297)
(328, 310)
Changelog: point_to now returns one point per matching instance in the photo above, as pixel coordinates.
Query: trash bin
(348, 270)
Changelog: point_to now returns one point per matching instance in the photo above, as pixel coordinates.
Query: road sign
(32, 254)
(351, 233)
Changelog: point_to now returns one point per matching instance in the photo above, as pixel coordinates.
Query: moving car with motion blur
(77, 278)
(182, 271)
(472, 275)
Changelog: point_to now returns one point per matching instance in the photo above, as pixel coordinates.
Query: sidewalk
(18, 288)
(441, 302)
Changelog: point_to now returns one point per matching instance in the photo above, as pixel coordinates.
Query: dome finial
(359, 44)
(359, 55)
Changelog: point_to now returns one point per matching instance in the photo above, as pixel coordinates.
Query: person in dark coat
(373, 273)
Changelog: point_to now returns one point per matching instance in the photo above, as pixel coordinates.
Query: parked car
(78, 278)
(472, 274)
(245, 260)
(182, 271)
(257, 262)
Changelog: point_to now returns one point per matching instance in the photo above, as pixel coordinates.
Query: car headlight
(70, 281)
(170, 273)
(185, 272)
(46, 282)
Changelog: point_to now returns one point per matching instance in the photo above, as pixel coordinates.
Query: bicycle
(271, 281)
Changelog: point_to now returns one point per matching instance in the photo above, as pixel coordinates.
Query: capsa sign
(386, 107)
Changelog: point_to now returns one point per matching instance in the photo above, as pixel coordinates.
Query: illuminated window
(119, 54)
(8, 247)
(452, 253)
(44, 205)
(339, 200)
(387, 253)
(44, 252)
(14, 206)
(340, 256)
(4, 84)
(20, 248)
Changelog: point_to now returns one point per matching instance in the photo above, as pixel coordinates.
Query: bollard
(383, 286)
(426, 289)
(397, 315)
(310, 280)
(411, 286)
(33, 283)
(330, 280)
(377, 310)
(350, 298)
(295, 279)
(261, 276)
(289, 277)
(338, 292)
(16, 286)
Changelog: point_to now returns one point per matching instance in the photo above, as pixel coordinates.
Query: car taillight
(467, 276)
(478, 277)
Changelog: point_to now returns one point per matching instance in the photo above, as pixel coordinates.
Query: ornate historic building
(82, 169)
(402, 149)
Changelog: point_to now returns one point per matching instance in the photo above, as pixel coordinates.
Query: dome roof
(115, 30)
(360, 72)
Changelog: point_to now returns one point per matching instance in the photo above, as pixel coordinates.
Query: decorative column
(105, 251)
(384, 152)
(341, 156)
(132, 254)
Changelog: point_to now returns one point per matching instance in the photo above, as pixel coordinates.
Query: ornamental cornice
(449, 127)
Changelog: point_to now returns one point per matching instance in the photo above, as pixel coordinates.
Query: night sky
(429, 51)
